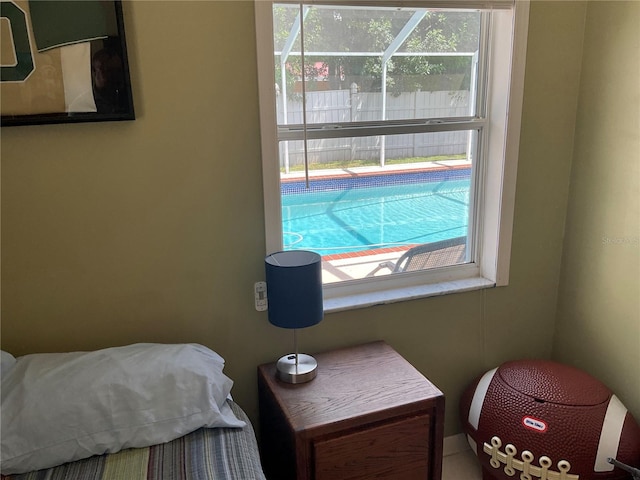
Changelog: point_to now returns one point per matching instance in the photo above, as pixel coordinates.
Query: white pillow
(61, 407)
(7, 361)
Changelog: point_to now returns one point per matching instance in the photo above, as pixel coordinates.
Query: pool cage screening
(313, 122)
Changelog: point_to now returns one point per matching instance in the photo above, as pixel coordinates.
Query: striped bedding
(206, 454)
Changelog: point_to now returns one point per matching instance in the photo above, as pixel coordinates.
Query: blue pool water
(364, 215)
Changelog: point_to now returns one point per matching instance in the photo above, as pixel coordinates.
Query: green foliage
(370, 31)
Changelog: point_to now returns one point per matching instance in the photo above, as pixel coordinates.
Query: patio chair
(428, 255)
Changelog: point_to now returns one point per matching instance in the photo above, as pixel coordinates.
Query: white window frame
(494, 198)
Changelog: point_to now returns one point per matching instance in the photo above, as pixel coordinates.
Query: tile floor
(461, 466)
(459, 462)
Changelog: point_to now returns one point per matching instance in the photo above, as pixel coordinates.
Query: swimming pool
(372, 213)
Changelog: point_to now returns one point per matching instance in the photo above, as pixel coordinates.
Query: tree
(368, 32)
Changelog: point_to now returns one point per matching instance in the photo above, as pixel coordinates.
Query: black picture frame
(114, 102)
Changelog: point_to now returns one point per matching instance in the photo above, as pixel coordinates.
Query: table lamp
(294, 297)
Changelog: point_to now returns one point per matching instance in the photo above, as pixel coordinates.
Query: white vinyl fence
(343, 106)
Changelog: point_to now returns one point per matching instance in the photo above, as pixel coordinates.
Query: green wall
(598, 326)
(152, 230)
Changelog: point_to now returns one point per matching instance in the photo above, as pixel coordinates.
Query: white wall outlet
(260, 293)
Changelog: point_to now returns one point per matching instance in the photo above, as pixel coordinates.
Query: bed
(139, 412)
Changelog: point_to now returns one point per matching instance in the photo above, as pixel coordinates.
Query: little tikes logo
(534, 424)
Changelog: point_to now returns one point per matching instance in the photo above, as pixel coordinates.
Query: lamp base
(304, 371)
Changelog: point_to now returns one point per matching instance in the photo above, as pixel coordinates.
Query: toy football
(537, 419)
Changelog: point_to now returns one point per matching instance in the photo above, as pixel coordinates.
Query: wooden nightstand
(368, 414)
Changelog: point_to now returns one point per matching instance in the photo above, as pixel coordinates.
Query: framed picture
(63, 61)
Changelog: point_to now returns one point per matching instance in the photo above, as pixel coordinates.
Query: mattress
(205, 454)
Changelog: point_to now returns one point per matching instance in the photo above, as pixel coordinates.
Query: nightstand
(368, 414)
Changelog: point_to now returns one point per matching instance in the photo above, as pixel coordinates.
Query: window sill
(370, 299)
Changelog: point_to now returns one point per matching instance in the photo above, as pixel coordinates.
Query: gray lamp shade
(294, 288)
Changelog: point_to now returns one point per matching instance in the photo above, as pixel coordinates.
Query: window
(390, 136)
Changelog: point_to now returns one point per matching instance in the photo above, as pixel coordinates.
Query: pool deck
(356, 265)
(377, 170)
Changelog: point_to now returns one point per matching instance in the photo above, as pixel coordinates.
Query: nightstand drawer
(399, 449)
